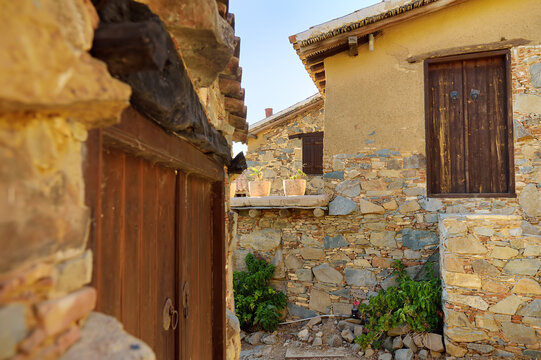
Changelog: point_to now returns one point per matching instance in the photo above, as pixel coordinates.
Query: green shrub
(416, 303)
(257, 304)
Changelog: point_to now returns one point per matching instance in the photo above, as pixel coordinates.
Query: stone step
(295, 353)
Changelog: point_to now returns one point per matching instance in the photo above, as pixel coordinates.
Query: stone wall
(53, 92)
(379, 212)
(281, 156)
(492, 296)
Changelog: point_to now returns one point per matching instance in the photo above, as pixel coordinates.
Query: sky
(272, 73)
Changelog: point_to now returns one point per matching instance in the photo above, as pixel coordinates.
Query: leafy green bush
(256, 303)
(416, 303)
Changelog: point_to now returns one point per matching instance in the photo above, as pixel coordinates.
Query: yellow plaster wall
(381, 92)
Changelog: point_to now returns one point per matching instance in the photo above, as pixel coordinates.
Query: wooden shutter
(469, 139)
(312, 153)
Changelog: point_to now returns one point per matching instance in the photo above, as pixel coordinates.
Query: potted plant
(295, 185)
(258, 186)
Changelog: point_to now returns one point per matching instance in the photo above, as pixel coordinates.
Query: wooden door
(469, 131)
(158, 236)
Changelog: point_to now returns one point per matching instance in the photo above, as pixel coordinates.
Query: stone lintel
(280, 202)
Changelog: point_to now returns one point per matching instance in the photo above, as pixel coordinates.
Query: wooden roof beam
(317, 68)
(353, 46)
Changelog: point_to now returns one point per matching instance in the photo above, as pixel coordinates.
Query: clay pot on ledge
(258, 188)
(294, 187)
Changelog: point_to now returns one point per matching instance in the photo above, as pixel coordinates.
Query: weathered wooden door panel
(196, 240)
(486, 119)
(446, 94)
(157, 234)
(137, 248)
(468, 126)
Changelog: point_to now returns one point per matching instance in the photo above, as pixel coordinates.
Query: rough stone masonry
(379, 212)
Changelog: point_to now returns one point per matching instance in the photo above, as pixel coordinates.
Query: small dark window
(312, 152)
(468, 126)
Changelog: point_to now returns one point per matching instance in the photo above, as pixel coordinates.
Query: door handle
(169, 315)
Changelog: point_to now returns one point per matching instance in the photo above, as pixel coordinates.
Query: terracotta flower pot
(259, 188)
(294, 187)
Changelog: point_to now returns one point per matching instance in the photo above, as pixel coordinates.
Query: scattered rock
(403, 354)
(313, 322)
(303, 335)
(357, 330)
(423, 354)
(369, 352)
(317, 342)
(356, 348)
(385, 356)
(255, 338)
(335, 341)
(388, 343)
(409, 343)
(399, 330)
(347, 335)
(269, 339)
(433, 342)
(397, 343)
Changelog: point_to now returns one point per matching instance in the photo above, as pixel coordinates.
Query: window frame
(510, 129)
(307, 135)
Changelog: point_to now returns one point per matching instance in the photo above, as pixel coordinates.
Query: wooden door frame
(506, 53)
(139, 136)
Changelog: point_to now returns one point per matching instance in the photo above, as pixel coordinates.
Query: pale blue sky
(272, 73)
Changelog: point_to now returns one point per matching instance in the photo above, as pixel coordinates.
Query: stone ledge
(280, 202)
(487, 216)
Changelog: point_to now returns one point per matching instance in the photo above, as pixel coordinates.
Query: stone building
(431, 151)
(278, 144)
(90, 91)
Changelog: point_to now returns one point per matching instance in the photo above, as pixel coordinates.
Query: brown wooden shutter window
(312, 152)
(469, 126)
